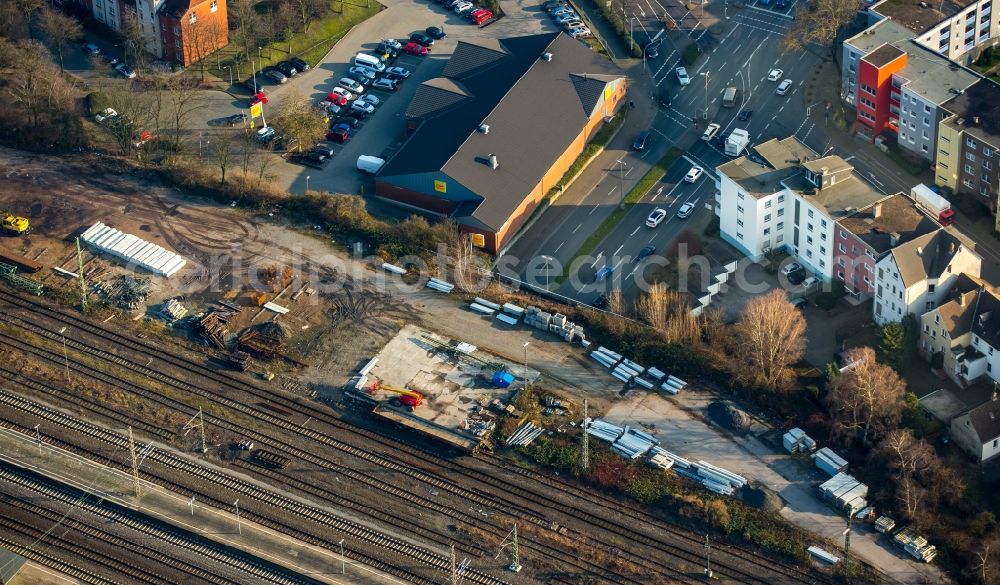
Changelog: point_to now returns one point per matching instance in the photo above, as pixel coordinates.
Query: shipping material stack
(829, 461)
(797, 441)
(633, 444)
(133, 250)
(558, 324)
(846, 492)
(915, 545)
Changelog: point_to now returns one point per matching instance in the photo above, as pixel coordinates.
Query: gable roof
(876, 224)
(956, 314)
(985, 420)
(926, 256)
(986, 320)
(534, 108)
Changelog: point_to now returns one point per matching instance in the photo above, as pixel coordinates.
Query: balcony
(970, 363)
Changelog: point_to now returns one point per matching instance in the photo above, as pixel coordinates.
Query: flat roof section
(455, 380)
(878, 34)
(918, 15)
(977, 111)
(883, 55)
(933, 76)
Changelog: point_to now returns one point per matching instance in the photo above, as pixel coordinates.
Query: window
(767, 218)
(930, 288)
(970, 156)
(741, 195)
(809, 226)
(843, 235)
(822, 236)
(969, 169)
(739, 222)
(781, 226)
(842, 248)
(822, 263)
(739, 208)
(927, 307)
(842, 262)
(970, 142)
(177, 32)
(781, 212)
(923, 147)
(739, 235)
(809, 240)
(822, 222)
(927, 110)
(967, 183)
(214, 5)
(822, 250)
(780, 238)
(987, 165)
(811, 214)
(987, 152)
(923, 134)
(986, 178)
(854, 250)
(809, 253)
(867, 89)
(193, 18)
(781, 198)
(767, 231)
(840, 275)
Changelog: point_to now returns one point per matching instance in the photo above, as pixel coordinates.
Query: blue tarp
(502, 379)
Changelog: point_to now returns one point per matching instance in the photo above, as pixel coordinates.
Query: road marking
(618, 250)
(645, 152)
(560, 246)
(653, 237)
(658, 192)
(628, 171)
(576, 228)
(615, 267)
(612, 190)
(594, 209)
(635, 231)
(596, 260)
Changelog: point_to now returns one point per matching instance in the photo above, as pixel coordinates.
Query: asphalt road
(752, 37)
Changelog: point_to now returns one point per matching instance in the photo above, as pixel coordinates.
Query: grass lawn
(634, 196)
(593, 148)
(310, 46)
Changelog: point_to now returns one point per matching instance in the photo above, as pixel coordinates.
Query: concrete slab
(456, 390)
(220, 526)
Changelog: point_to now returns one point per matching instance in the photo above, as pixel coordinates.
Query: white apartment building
(916, 277)
(108, 12)
(792, 201)
(956, 29)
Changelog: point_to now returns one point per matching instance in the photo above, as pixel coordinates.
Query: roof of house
(927, 256)
(876, 35)
(831, 164)
(781, 158)
(841, 199)
(986, 322)
(179, 7)
(919, 15)
(985, 419)
(956, 314)
(884, 55)
(876, 224)
(977, 111)
(506, 85)
(933, 76)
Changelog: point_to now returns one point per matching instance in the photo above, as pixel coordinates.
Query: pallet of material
(614, 354)
(133, 250)
(393, 268)
(884, 524)
(482, 309)
(25, 264)
(661, 460)
(506, 319)
(368, 366)
(829, 461)
(728, 476)
(486, 303)
(823, 555)
(656, 374)
(513, 310)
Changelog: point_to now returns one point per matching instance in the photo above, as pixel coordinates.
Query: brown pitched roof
(985, 419)
(896, 214)
(956, 314)
(925, 256)
(986, 321)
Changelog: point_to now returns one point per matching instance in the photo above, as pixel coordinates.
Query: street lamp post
(307, 183)
(548, 270)
(526, 344)
(343, 562)
(38, 438)
(238, 526)
(621, 179)
(707, 75)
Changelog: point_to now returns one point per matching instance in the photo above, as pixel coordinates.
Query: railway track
(246, 490)
(164, 533)
(690, 553)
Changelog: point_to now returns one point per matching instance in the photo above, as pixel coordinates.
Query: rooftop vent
(960, 121)
(493, 161)
(546, 56)
(894, 239)
(920, 251)
(975, 119)
(484, 128)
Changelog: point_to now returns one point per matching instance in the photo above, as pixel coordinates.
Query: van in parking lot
(370, 164)
(370, 61)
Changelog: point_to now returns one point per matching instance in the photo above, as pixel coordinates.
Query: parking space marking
(612, 190)
(597, 260)
(576, 228)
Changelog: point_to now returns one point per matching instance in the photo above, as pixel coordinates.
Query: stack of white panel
(829, 461)
(133, 250)
(719, 475)
(605, 430)
(679, 462)
(632, 444)
(659, 458)
(848, 493)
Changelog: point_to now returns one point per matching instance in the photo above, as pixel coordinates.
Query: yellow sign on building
(440, 186)
(479, 240)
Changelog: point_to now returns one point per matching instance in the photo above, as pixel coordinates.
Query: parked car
(91, 49)
(557, 6)
(370, 99)
(339, 133)
(420, 39)
(397, 73)
(656, 217)
(745, 115)
(571, 24)
(254, 83)
(799, 302)
(266, 134)
(258, 98)
(605, 271)
(566, 17)
(645, 252)
(642, 139)
(434, 32)
(416, 49)
(351, 123)
(685, 210)
(341, 92)
(363, 107)
(350, 85)
(355, 114)
(784, 87)
(775, 74)
(333, 99)
(237, 119)
(125, 71)
(110, 59)
(480, 16)
(324, 148)
(790, 268)
(331, 109)
(682, 76)
(652, 50)
(579, 32)
(601, 302)
(276, 76)
(781, 4)
(105, 115)
(359, 73)
(665, 99)
(392, 44)
(287, 68)
(299, 64)
(384, 84)
(694, 174)
(710, 132)
(312, 159)
(809, 282)
(561, 11)
(463, 7)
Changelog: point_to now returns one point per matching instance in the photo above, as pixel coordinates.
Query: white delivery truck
(370, 164)
(737, 140)
(936, 206)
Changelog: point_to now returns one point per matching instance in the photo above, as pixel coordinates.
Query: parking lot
(383, 132)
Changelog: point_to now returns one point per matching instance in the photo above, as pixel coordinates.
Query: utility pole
(515, 555)
(454, 567)
(83, 283)
(847, 547)
(65, 353)
(621, 185)
(708, 558)
(707, 75)
(201, 423)
(135, 462)
(239, 528)
(526, 344)
(585, 450)
(38, 438)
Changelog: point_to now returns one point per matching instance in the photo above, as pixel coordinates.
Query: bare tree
(35, 83)
(11, 22)
(769, 336)
(133, 40)
(652, 306)
(223, 151)
(247, 31)
(866, 399)
(819, 23)
(201, 39)
(297, 118)
(668, 312)
(136, 112)
(182, 98)
(985, 567)
(616, 304)
(59, 30)
(28, 8)
(909, 459)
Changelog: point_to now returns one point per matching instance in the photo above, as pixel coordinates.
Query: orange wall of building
(209, 33)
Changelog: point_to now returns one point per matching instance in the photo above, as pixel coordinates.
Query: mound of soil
(762, 498)
(729, 416)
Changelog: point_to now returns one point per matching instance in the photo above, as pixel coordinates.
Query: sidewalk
(171, 507)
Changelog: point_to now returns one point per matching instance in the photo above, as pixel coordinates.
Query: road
(751, 35)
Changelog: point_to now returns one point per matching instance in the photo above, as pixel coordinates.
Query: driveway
(680, 423)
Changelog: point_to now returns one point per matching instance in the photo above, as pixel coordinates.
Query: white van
(369, 61)
(370, 164)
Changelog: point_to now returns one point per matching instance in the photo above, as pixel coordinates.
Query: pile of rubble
(173, 310)
(730, 417)
(125, 291)
(213, 328)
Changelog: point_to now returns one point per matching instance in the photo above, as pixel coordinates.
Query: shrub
(97, 101)
(691, 54)
(552, 454)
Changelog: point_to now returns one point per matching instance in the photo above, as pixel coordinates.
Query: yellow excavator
(409, 398)
(14, 224)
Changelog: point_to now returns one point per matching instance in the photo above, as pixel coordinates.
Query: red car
(416, 49)
(259, 98)
(338, 135)
(481, 16)
(336, 99)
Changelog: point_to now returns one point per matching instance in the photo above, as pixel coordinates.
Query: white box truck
(935, 205)
(370, 164)
(737, 140)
